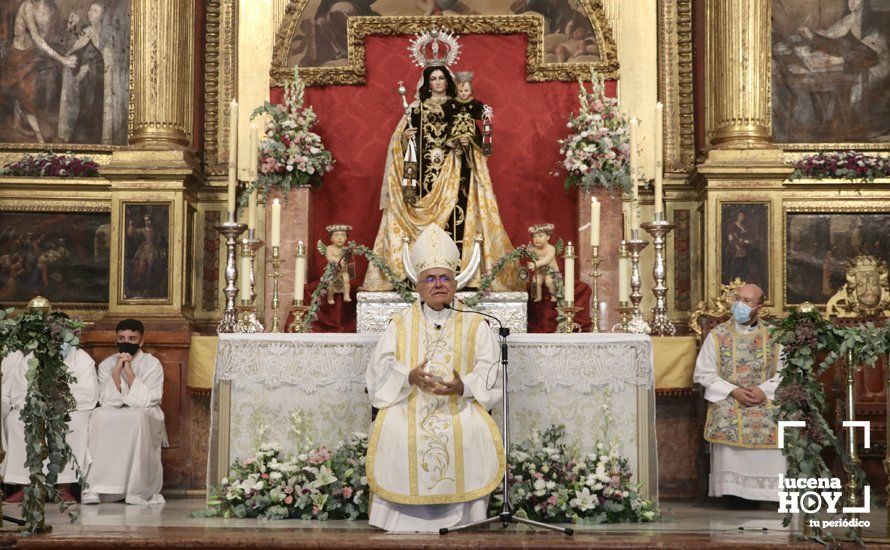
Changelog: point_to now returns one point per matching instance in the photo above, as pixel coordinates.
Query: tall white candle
(254, 147)
(300, 271)
(570, 274)
(245, 277)
(594, 222)
(659, 157)
(276, 223)
(233, 156)
(634, 174)
(623, 278)
(251, 210)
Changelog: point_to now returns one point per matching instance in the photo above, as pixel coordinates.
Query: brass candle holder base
(568, 324)
(594, 285)
(625, 310)
(298, 311)
(247, 320)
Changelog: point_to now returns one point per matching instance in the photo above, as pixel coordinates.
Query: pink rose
(347, 492)
(552, 500)
(289, 499)
(315, 510)
(538, 475)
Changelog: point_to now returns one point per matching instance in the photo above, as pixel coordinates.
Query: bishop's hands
(749, 397)
(430, 383)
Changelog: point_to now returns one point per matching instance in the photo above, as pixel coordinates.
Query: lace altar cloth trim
(582, 362)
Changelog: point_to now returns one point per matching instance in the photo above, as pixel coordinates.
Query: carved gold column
(738, 73)
(163, 77)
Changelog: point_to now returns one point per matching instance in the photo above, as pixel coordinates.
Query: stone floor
(684, 526)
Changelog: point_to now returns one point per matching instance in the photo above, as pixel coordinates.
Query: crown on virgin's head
(426, 46)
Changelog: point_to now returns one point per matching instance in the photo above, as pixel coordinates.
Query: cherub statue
(546, 254)
(336, 255)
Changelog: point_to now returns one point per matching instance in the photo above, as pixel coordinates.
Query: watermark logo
(812, 495)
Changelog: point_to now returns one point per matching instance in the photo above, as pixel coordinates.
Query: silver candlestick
(230, 230)
(659, 228)
(250, 245)
(634, 246)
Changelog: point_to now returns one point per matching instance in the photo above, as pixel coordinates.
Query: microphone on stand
(502, 331)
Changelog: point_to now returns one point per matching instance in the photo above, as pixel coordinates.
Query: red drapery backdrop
(356, 123)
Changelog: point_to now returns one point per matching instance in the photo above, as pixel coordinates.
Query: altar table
(601, 386)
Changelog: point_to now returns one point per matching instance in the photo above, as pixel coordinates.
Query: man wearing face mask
(85, 390)
(739, 367)
(127, 430)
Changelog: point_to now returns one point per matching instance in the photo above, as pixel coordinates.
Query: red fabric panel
(356, 123)
(337, 317)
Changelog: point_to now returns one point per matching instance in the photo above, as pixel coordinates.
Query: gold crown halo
(426, 45)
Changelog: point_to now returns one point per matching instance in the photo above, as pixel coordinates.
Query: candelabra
(634, 246)
(276, 274)
(594, 280)
(659, 228)
(230, 230)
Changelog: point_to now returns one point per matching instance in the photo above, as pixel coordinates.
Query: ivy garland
(488, 278)
(327, 278)
(801, 396)
(47, 405)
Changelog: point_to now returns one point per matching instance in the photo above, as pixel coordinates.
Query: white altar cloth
(601, 386)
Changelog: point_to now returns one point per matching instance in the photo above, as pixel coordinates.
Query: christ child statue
(337, 256)
(546, 254)
(465, 110)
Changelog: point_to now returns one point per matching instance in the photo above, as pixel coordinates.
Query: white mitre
(435, 248)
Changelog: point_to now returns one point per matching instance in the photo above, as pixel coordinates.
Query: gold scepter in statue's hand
(410, 169)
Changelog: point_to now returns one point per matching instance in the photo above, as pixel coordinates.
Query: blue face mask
(741, 312)
(65, 349)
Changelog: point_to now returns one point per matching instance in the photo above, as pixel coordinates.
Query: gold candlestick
(276, 274)
(247, 320)
(230, 230)
(625, 310)
(594, 280)
(568, 324)
(298, 311)
(852, 487)
(635, 245)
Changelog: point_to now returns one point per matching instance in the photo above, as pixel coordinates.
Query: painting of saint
(56, 255)
(320, 40)
(818, 245)
(831, 71)
(146, 252)
(744, 243)
(66, 71)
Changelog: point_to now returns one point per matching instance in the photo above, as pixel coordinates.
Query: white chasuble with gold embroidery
(428, 449)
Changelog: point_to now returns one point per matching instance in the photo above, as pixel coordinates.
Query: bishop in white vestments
(85, 390)
(739, 367)
(127, 430)
(435, 454)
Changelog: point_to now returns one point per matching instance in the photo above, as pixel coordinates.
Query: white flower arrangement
(292, 155)
(597, 152)
(551, 483)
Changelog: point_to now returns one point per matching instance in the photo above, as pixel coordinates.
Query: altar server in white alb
(127, 430)
(435, 454)
(85, 390)
(739, 367)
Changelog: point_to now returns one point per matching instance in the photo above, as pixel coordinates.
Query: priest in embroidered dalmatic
(435, 454)
(739, 367)
(84, 389)
(127, 430)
